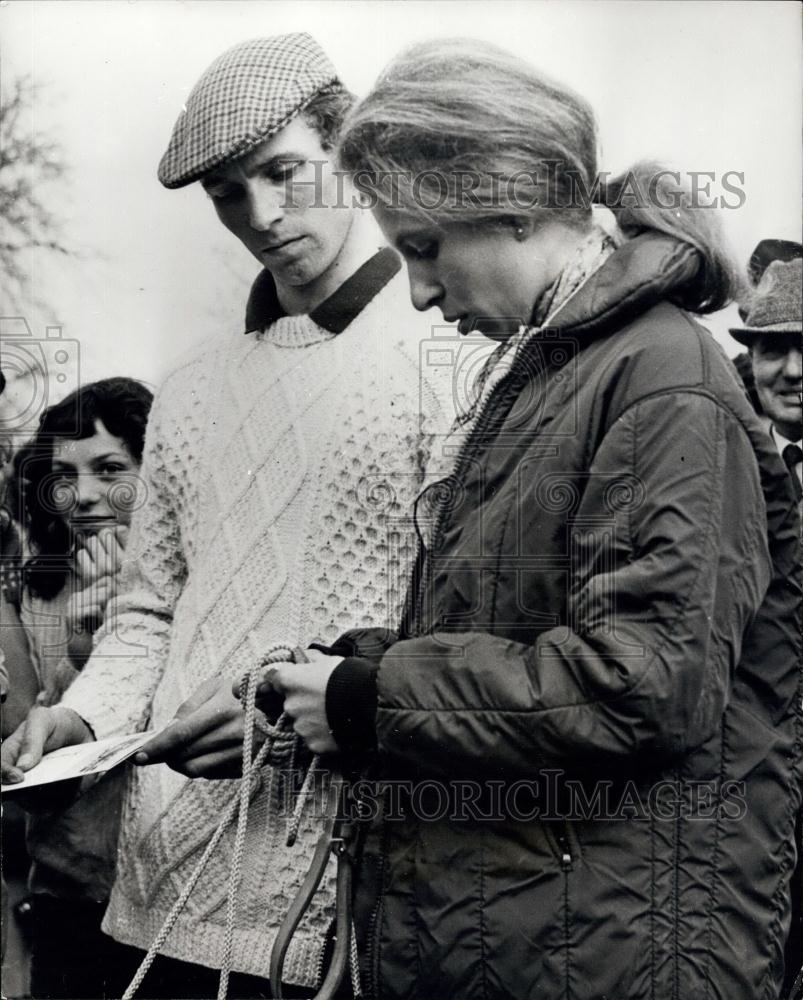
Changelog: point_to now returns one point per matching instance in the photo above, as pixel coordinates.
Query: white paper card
(78, 761)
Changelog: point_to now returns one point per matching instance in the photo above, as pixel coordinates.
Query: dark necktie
(792, 456)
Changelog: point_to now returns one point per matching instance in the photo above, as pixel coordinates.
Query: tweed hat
(777, 305)
(247, 95)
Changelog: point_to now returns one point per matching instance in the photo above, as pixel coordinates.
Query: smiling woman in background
(80, 488)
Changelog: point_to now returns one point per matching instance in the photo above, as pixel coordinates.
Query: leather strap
(331, 840)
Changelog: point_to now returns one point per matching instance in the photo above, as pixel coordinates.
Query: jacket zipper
(372, 938)
(469, 449)
(566, 859)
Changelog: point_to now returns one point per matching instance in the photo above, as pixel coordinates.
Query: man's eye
(224, 192)
(281, 173)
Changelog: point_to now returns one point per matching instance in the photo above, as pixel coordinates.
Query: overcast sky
(705, 86)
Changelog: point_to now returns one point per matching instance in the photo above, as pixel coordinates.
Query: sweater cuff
(351, 702)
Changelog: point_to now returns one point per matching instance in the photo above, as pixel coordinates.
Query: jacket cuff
(351, 702)
(365, 643)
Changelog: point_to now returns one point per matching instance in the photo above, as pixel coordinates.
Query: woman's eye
(427, 250)
(111, 469)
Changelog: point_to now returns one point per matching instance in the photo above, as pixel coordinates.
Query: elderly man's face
(284, 202)
(777, 371)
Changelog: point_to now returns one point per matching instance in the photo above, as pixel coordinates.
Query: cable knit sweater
(280, 471)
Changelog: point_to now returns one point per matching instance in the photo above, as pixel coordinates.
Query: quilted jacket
(588, 729)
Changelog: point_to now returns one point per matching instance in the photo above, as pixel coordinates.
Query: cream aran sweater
(280, 470)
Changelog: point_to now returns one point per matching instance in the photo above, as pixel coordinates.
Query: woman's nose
(425, 290)
(265, 206)
(89, 492)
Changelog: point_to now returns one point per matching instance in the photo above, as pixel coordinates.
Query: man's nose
(265, 206)
(793, 366)
(425, 290)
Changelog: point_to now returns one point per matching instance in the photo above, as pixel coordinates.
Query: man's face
(283, 201)
(777, 371)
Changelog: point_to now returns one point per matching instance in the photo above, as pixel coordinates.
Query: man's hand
(44, 730)
(303, 686)
(205, 740)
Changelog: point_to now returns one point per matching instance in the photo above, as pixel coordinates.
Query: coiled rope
(279, 747)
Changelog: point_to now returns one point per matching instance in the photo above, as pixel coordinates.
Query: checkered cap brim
(245, 96)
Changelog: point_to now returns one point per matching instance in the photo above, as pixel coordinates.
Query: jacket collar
(637, 276)
(335, 313)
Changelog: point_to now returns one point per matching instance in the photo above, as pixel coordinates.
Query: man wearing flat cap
(280, 465)
(772, 331)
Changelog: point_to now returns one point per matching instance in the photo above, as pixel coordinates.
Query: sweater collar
(335, 313)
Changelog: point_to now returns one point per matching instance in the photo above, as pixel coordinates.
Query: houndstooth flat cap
(247, 95)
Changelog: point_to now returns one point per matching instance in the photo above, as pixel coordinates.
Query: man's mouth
(278, 245)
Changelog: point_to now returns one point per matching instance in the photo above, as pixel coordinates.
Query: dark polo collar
(335, 313)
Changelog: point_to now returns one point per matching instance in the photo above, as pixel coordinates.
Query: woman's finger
(84, 564)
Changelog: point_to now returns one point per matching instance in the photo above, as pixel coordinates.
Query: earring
(519, 232)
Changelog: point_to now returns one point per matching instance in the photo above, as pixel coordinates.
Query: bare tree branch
(29, 162)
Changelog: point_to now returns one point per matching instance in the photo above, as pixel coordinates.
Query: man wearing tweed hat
(772, 332)
(279, 467)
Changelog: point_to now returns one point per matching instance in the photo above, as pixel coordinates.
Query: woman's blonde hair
(458, 130)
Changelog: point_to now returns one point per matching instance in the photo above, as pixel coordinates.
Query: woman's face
(483, 277)
(95, 482)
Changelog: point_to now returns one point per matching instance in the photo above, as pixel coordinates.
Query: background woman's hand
(97, 563)
(205, 739)
(100, 554)
(85, 615)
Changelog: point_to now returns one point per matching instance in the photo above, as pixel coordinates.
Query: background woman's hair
(122, 405)
(458, 130)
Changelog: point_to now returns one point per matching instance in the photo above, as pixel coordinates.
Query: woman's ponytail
(650, 196)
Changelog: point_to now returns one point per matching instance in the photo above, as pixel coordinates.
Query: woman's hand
(303, 686)
(205, 739)
(87, 609)
(101, 554)
(97, 565)
(44, 730)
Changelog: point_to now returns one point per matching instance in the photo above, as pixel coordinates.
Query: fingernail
(24, 762)
(13, 777)
(140, 757)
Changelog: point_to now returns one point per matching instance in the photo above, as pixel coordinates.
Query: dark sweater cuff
(351, 702)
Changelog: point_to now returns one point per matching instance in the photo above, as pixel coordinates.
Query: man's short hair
(326, 113)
